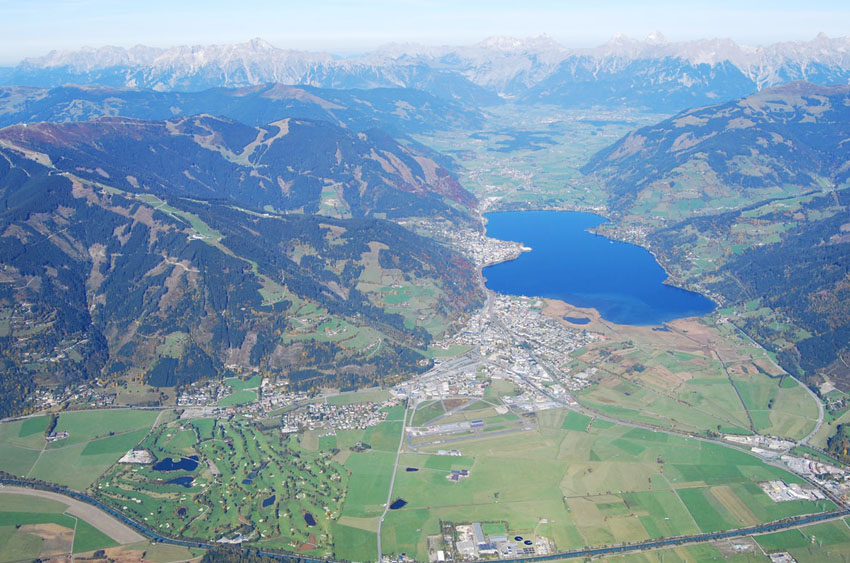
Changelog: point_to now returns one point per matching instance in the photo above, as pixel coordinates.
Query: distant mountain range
(654, 73)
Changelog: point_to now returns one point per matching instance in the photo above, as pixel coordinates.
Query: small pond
(181, 464)
(398, 503)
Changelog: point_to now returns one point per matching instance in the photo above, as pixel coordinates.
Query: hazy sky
(34, 27)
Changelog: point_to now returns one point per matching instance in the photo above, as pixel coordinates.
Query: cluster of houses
(336, 417)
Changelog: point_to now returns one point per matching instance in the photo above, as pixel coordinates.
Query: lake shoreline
(642, 291)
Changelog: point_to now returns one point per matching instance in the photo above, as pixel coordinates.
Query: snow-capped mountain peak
(503, 65)
(656, 37)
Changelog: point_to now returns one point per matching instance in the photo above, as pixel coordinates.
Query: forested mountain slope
(291, 165)
(749, 201)
(785, 141)
(784, 268)
(171, 250)
(395, 110)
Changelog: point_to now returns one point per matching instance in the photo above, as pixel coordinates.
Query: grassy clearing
(354, 544)
(576, 422)
(368, 483)
(17, 460)
(96, 440)
(384, 436)
(119, 444)
(68, 467)
(675, 379)
(24, 433)
(828, 541)
(661, 513)
(238, 384)
(83, 426)
(238, 398)
(89, 538)
(428, 411)
(243, 391)
(374, 394)
(12, 502)
(404, 529)
(706, 510)
(164, 553)
(33, 426)
(776, 409)
(16, 545)
(450, 352)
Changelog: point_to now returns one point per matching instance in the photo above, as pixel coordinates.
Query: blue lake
(622, 281)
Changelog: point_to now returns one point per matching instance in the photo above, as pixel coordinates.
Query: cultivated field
(96, 440)
(696, 375)
(532, 157)
(577, 480)
(32, 527)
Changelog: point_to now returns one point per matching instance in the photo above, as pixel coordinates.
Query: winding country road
(806, 387)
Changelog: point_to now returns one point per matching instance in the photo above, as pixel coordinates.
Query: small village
(475, 245)
(335, 417)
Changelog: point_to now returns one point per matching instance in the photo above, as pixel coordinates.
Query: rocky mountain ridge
(532, 70)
